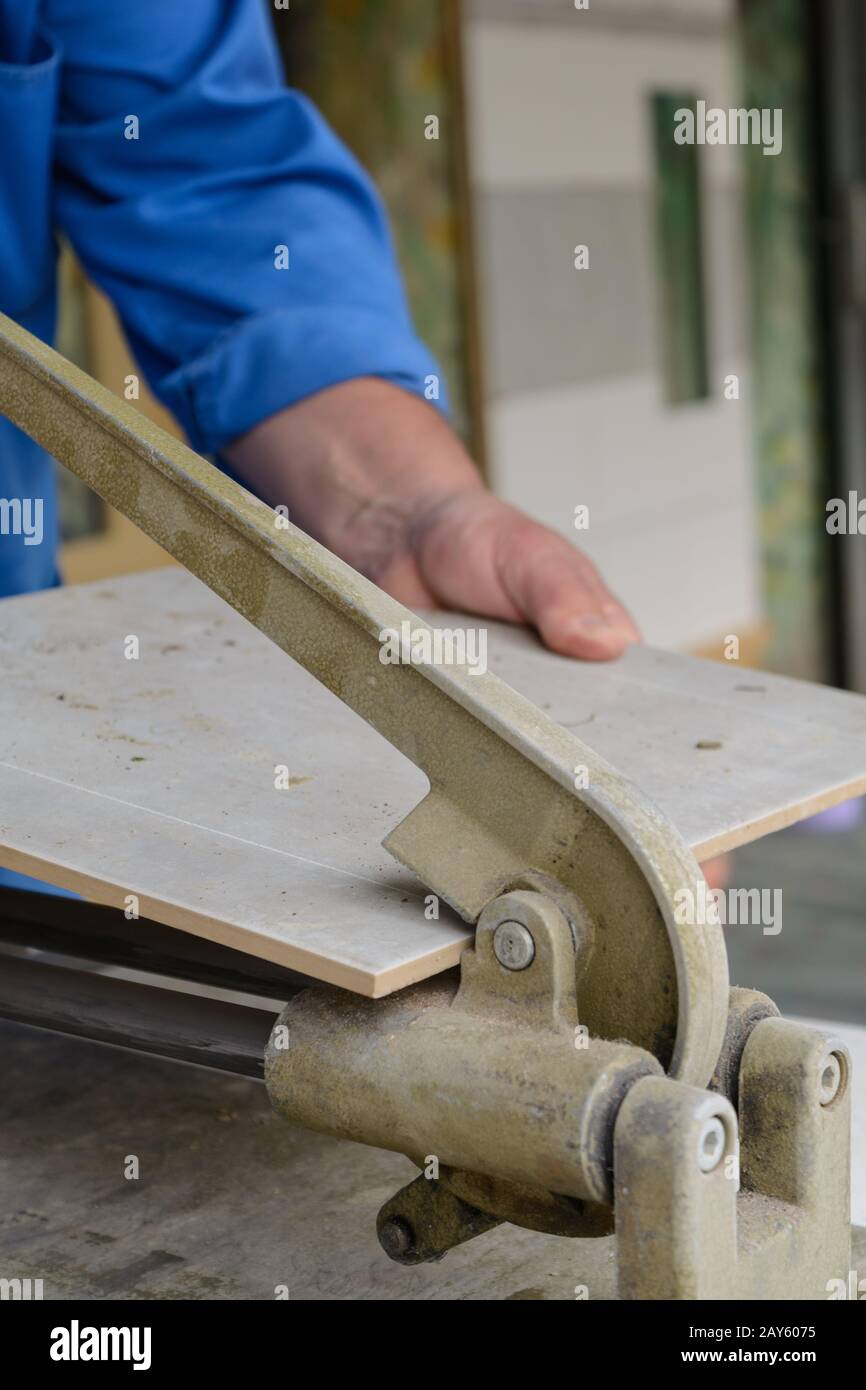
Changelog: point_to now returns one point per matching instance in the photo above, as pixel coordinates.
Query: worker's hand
(472, 551)
(379, 477)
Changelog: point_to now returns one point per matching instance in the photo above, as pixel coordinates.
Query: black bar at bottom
(70, 927)
(141, 1018)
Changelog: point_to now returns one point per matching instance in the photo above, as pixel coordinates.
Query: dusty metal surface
(503, 801)
(746, 1008)
(491, 1086)
(683, 1229)
(425, 1220)
(494, 1079)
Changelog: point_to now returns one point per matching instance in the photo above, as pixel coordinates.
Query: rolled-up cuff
(272, 360)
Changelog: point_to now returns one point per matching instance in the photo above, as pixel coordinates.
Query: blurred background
(699, 385)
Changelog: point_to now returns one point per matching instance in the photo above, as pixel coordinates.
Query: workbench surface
(155, 776)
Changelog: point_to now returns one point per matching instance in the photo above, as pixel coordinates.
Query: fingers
(456, 550)
(480, 554)
(559, 590)
(717, 871)
(598, 635)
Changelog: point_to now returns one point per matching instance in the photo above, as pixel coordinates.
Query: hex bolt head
(396, 1238)
(513, 946)
(829, 1078)
(711, 1144)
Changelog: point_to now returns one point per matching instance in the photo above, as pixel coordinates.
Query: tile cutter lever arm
(506, 809)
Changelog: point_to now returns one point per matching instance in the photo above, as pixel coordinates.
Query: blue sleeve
(181, 226)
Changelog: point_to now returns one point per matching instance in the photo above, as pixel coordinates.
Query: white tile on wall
(548, 325)
(669, 492)
(551, 108)
(717, 12)
(563, 109)
(702, 16)
(686, 583)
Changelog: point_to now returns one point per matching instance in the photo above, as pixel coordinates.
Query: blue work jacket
(245, 249)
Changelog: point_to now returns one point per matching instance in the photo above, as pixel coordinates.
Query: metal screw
(513, 946)
(829, 1078)
(711, 1144)
(396, 1237)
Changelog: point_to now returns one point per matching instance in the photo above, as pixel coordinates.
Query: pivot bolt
(396, 1238)
(829, 1078)
(711, 1144)
(513, 946)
